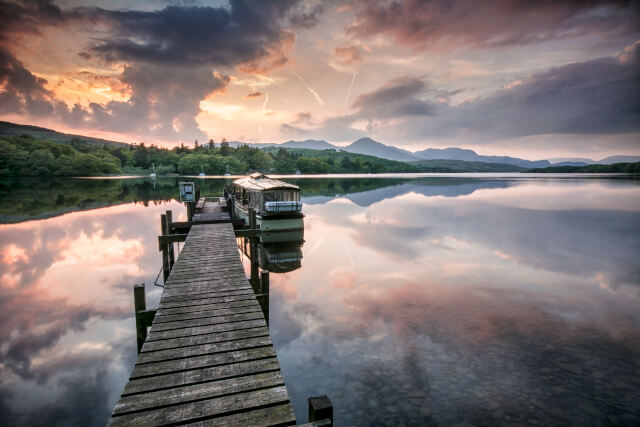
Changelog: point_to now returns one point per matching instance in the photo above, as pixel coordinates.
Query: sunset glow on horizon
(533, 80)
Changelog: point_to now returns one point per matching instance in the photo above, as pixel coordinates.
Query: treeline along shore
(26, 155)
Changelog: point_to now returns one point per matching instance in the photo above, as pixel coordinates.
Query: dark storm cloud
(256, 94)
(398, 97)
(600, 96)
(164, 102)
(170, 54)
(28, 16)
(597, 96)
(23, 92)
(425, 24)
(248, 33)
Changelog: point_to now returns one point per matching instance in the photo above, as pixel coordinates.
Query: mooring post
(253, 256)
(139, 304)
(172, 258)
(264, 294)
(252, 218)
(191, 207)
(320, 408)
(166, 267)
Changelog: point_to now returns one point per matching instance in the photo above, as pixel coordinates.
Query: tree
(225, 150)
(212, 145)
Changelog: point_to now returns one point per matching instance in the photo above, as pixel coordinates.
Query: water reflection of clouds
(471, 297)
(66, 309)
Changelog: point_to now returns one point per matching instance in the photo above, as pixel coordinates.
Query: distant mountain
(312, 144)
(619, 159)
(564, 161)
(567, 160)
(472, 156)
(374, 148)
(14, 129)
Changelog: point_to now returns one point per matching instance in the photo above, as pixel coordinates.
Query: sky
(537, 80)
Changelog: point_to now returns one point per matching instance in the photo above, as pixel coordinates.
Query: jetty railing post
(191, 207)
(139, 304)
(172, 258)
(252, 219)
(253, 251)
(264, 294)
(320, 408)
(166, 267)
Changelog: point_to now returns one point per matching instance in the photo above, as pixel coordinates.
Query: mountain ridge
(363, 145)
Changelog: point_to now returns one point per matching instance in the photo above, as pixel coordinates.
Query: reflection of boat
(281, 257)
(227, 172)
(281, 252)
(276, 203)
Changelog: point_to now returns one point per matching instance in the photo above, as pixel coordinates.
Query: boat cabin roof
(260, 182)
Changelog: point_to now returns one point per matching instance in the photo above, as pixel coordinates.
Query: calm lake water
(427, 300)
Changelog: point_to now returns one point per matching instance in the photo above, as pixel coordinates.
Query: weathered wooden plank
(201, 410)
(190, 393)
(280, 415)
(215, 373)
(245, 307)
(203, 349)
(198, 362)
(204, 339)
(208, 357)
(224, 294)
(242, 314)
(209, 329)
(222, 299)
(164, 311)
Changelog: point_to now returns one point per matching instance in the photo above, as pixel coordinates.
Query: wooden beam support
(247, 232)
(172, 258)
(170, 238)
(139, 304)
(320, 407)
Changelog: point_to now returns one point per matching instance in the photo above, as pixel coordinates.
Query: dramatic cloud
(256, 94)
(249, 34)
(593, 97)
(169, 55)
(426, 24)
(23, 92)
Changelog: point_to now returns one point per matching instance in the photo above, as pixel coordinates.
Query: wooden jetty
(208, 358)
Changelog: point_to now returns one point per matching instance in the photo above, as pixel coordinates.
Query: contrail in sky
(350, 86)
(266, 101)
(313, 92)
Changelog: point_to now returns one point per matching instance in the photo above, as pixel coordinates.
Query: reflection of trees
(25, 198)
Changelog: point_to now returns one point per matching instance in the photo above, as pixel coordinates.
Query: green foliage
(633, 168)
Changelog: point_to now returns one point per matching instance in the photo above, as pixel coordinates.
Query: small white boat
(153, 170)
(227, 172)
(202, 172)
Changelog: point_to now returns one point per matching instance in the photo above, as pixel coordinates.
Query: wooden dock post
(253, 251)
(320, 408)
(252, 219)
(191, 207)
(263, 296)
(172, 258)
(166, 266)
(139, 304)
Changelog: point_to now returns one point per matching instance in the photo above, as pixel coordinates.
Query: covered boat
(276, 203)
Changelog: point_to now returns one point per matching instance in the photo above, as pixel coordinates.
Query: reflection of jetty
(208, 356)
